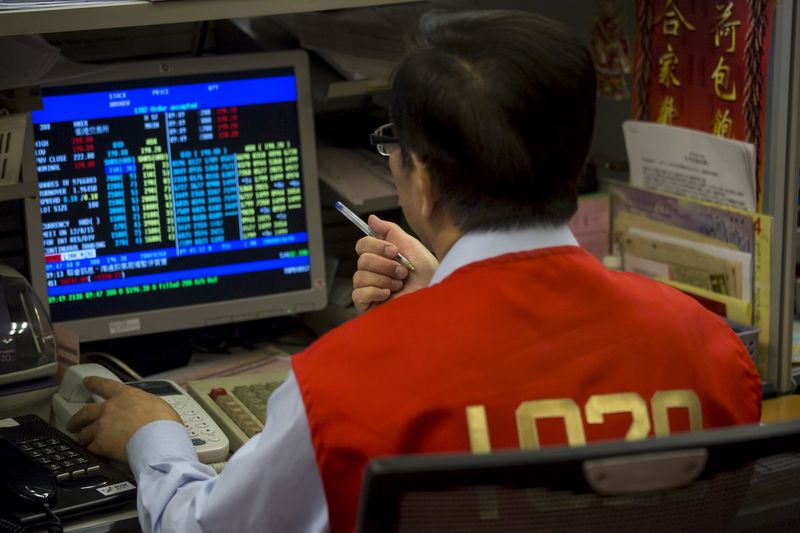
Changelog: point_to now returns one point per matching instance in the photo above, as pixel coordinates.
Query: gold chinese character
(722, 123)
(667, 65)
(673, 19)
(726, 27)
(722, 81)
(667, 112)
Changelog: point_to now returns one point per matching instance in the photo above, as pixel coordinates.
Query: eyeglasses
(384, 140)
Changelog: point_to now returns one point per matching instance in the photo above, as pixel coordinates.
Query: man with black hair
(518, 338)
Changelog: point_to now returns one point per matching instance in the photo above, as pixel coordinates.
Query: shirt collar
(480, 244)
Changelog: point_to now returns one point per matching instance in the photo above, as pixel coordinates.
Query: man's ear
(423, 187)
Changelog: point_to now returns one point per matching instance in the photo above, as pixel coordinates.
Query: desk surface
(780, 409)
(116, 521)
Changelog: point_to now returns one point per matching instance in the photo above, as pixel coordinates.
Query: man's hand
(379, 277)
(105, 428)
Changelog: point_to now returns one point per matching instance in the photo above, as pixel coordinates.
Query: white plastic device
(209, 441)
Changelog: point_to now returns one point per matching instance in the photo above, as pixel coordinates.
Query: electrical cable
(115, 361)
(6, 526)
(55, 522)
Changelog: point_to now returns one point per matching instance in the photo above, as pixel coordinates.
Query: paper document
(360, 43)
(27, 60)
(360, 177)
(725, 306)
(591, 224)
(711, 221)
(706, 223)
(623, 222)
(691, 163)
(713, 268)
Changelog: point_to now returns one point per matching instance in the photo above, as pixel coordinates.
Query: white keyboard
(237, 403)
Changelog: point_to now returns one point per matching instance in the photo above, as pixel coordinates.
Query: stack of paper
(360, 177)
(706, 250)
(691, 163)
(690, 220)
(27, 60)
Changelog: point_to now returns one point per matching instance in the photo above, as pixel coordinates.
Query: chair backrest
(744, 478)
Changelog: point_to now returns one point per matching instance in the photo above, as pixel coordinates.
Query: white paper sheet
(690, 163)
(744, 259)
(27, 60)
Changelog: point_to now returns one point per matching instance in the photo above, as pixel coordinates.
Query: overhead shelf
(17, 191)
(128, 13)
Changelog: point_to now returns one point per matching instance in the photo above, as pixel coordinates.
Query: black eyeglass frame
(378, 140)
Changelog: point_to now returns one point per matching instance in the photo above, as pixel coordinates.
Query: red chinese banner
(702, 64)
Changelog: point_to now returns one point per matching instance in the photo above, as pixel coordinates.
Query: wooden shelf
(128, 13)
(17, 191)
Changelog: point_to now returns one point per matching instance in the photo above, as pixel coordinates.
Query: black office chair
(743, 478)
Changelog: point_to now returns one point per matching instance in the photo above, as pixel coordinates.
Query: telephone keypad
(208, 440)
(199, 428)
(58, 457)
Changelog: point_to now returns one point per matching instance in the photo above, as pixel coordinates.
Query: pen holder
(12, 139)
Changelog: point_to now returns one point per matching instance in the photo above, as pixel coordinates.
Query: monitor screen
(177, 194)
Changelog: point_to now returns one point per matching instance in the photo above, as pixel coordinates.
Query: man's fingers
(363, 278)
(87, 434)
(84, 417)
(365, 297)
(103, 386)
(370, 245)
(382, 266)
(384, 227)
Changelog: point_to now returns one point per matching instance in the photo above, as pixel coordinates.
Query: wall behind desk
(608, 144)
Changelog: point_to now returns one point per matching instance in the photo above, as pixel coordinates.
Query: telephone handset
(209, 441)
(23, 480)
(46, 476)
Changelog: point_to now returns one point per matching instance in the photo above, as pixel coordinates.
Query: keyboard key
(242, 400)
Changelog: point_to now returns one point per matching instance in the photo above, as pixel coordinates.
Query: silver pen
(363, 226)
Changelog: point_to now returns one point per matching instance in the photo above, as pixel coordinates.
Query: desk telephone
(209, 441)
(46, 476)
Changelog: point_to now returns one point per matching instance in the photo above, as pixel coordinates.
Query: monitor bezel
(212, 313)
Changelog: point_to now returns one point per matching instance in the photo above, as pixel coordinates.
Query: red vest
(547, 341)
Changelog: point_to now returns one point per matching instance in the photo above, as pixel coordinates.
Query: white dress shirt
(272, 483)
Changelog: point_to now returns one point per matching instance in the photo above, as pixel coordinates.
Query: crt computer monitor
(177, 194)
